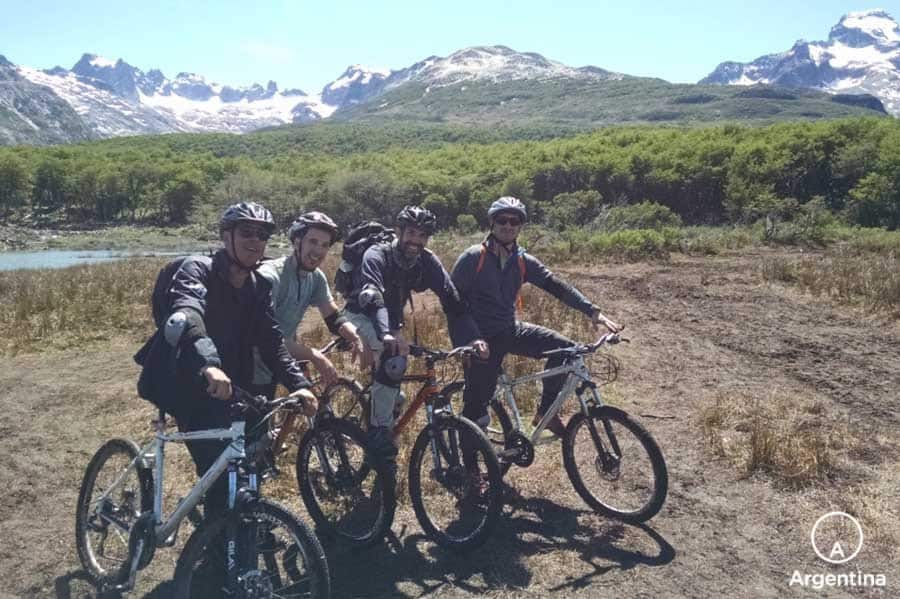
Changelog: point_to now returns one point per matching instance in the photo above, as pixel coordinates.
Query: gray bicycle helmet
(418, 217)
(316, 220)
(508, 204)
(246, 212)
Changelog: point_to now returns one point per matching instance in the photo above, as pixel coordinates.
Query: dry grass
(844, 275)
(796, 441)
(60, 308)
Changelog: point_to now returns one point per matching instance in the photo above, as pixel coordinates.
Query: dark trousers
(206, 413)
(523, 339)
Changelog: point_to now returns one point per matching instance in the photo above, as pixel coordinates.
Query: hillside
(585, 104)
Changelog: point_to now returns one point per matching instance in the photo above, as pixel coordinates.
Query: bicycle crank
(518, 450)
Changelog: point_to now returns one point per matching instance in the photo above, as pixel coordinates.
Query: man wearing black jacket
(381, 287)
(221, 310)
(489, 277)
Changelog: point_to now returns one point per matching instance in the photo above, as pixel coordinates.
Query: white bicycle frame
(154, 453)
(576, 370)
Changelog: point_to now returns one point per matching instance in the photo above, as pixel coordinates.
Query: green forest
(719, 174)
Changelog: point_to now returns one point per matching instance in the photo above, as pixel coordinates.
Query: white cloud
(268, 52)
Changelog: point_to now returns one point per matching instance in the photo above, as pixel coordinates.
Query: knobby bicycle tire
(120, 506)
(484, 507)
(370, 506)
(344, 399)
(608, 480)
(200, 568)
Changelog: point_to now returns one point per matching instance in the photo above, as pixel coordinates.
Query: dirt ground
(702, 330)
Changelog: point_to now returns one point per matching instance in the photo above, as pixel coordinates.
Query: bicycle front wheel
(344, 398)
(455, 482)
(346, 490)
(114, 492)
(282, 559)
(620, 472)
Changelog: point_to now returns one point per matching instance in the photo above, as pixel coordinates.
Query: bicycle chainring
(524, 449)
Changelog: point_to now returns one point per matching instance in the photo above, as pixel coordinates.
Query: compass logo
(836, 537)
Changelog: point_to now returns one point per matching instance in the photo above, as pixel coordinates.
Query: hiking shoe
(556, 428)
(509, 495)
(479, 489)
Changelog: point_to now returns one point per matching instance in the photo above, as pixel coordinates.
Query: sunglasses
(249, 232)
(507, 220)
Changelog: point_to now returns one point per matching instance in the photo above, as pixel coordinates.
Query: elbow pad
(334, 322)
(370, 299)
(174, 328)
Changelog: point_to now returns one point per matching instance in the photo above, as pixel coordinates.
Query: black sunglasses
(508, 220)
(248, 232)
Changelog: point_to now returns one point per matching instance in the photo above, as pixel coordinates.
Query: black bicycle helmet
(246, 212)
(417, 217)
(314, 219)
(508, 204)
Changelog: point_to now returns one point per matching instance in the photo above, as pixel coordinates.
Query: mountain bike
(612, 461)
(345, 490)
(456, 499)
(255, 548)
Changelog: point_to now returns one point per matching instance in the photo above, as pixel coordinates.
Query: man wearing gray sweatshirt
(489, 277)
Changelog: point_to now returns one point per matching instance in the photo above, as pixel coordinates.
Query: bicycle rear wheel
(113, 494)
(283, 559)
(499, 428)
(457, 500)
(621, 473)
(345, 495)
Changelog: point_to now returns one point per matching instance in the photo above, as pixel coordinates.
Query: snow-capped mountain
(492, 63)
(356, 85)
(115, 98)
(861, 55)
(479, 63)
(30, 113)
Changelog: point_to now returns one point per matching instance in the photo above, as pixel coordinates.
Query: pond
(63, 258)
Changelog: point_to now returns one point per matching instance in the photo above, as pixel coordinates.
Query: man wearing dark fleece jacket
(219, 310)
(381, 287)
(488, 277)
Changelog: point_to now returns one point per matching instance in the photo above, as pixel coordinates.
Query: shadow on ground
(412, 566)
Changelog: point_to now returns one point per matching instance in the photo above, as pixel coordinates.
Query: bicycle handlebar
(582, 349)
(419, 351)
(242, 402)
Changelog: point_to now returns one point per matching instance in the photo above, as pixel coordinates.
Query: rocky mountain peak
(866, 28)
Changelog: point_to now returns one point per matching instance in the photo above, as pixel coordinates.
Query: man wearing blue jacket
(381, 287)
(489, 277)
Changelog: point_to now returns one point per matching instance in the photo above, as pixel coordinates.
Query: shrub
(646, 215)
(466, 223)
(630, 245)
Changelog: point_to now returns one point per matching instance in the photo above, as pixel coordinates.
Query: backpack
(360, 237)
(157, 381)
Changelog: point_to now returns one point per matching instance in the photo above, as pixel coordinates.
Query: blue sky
(307, 44)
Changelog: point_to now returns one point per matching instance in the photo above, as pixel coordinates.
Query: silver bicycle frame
(576, 371)
(233, 451)
(154, 452)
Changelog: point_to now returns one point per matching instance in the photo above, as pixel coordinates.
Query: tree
(574, 209)
(50, 182)
(181, 195)
(13, 183)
